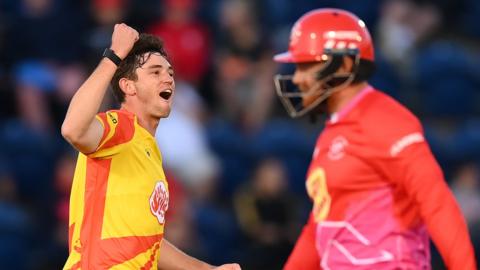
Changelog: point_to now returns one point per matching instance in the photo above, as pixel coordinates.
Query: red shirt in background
(378, 194)
(188, 47)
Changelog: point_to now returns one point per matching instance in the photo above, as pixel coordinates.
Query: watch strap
(110, 54)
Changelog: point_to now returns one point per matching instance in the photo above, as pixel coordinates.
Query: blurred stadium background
(235, 161)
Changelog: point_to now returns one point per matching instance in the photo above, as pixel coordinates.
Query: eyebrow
(159, 66)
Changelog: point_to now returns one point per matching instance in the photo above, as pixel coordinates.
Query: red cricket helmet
(324, 35)
(322, 31)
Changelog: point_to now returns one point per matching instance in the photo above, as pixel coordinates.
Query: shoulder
(117, 116)
(119, 127)
(382, 114)
(389, 124)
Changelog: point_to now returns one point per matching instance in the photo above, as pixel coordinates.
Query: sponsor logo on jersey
(405, 141)
(159, 201)
(337, 148)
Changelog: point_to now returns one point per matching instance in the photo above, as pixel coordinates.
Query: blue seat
(447, 79)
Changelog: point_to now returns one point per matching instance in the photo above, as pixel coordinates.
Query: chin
(163, 114)
(162, 111)
(307, 103)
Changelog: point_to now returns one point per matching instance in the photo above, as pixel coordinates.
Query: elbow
(69, 133)
(66, 131)
(77, 138)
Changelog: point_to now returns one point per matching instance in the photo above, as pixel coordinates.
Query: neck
(339, 99)
(144, 120)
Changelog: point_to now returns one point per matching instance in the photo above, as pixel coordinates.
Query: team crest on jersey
(337, 148)
(159, 201)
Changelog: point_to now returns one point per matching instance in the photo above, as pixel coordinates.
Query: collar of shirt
(335, 117)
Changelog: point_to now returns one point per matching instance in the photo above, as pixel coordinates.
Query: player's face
(155, 86)
(305, 78)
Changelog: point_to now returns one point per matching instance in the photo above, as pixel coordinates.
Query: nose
(167, 78)
(297, 77)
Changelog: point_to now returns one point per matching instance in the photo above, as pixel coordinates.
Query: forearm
(171, 258)
(304, 255)
(439, 210)
(87, 100)
(449, 232)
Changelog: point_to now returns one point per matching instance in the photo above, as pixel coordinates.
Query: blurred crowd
(235, 162)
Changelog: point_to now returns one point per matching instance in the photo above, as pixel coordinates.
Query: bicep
(422, 176)
(90, 140)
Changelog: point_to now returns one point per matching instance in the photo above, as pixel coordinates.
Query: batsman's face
(305, 78)
(156, 86)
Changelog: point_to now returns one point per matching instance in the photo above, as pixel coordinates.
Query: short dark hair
(138, 55)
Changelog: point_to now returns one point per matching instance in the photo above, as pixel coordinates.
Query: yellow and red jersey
(118, 200)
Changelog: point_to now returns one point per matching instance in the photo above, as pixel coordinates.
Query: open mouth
(166, 94)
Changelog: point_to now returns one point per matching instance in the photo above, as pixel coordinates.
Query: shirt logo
(112, 118)
(337, 148)
(159, 201)
(405, 141)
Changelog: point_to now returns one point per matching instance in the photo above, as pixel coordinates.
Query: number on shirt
(317, 190)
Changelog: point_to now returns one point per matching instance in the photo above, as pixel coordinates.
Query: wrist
(201, 265)
(118, 51)
(112, 56)
(208, 267)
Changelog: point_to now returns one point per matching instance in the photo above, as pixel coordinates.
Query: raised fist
(123, 38)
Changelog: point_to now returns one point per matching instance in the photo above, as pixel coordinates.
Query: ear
(127, 86)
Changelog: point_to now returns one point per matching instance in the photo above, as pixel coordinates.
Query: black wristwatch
(110, 54)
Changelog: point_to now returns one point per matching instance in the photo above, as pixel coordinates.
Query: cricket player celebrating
(119, 194)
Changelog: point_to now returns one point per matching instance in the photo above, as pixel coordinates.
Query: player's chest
(140, 163)
(343, 160)
(146, 157)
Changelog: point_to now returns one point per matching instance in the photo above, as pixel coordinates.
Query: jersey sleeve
(304, 255)
(410, 164)
(118, 129)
